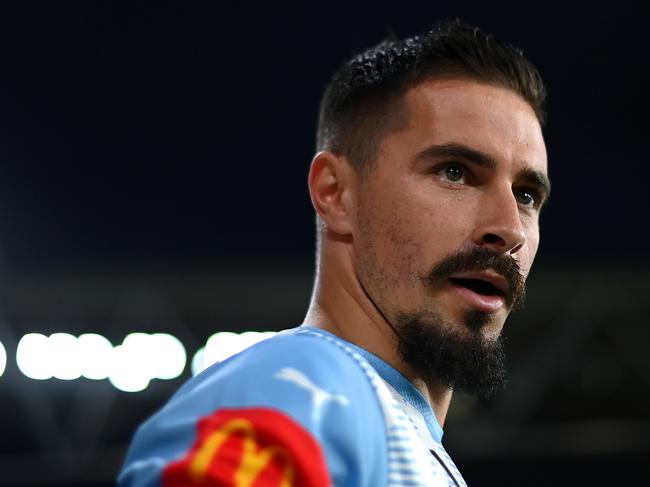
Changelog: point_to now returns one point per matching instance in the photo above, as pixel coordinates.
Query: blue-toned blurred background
(153, 162)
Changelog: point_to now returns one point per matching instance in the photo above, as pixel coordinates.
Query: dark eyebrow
(460, 151)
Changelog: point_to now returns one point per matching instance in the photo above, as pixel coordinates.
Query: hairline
(399, 104)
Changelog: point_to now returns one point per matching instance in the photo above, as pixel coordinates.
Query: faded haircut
(363, 101)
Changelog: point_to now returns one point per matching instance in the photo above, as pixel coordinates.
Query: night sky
(175, 134)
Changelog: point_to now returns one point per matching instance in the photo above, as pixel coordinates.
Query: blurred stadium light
(130, 366)
(3, 359)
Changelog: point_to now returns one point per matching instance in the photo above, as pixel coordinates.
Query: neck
(341, 306)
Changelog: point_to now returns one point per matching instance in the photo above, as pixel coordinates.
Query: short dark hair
(362, 101)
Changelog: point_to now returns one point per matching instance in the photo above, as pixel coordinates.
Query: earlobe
(331, 188)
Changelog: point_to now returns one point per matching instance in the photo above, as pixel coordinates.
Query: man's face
(450, 210)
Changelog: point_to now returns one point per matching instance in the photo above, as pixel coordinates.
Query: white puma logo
(318, 395)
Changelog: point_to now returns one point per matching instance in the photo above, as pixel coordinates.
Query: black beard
(464, 361)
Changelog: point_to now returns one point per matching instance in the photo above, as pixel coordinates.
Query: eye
(454, 173)
(527, 198)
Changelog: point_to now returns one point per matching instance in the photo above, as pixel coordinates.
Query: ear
(332, 188)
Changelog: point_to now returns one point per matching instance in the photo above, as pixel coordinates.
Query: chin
(473, 322)
(466, 355)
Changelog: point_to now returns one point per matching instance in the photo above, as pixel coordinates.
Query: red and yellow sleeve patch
(252, 447)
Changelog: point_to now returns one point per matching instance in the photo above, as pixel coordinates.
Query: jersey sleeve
(294, 410)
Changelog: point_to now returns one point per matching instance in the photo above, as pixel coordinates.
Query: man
(428, 184)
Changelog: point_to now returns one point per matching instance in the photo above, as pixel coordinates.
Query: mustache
(481, 259)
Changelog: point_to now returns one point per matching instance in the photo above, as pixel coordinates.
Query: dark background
(153, 178)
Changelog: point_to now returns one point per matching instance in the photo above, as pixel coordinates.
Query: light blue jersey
(303, 409)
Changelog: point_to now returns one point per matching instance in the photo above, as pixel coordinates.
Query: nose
(499, 226)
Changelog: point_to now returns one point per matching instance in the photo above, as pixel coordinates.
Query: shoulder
(284, 371)
(303, 382)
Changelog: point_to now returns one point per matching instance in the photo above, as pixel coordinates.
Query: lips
(486, 291)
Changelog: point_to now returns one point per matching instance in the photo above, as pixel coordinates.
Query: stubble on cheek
(388, 257)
